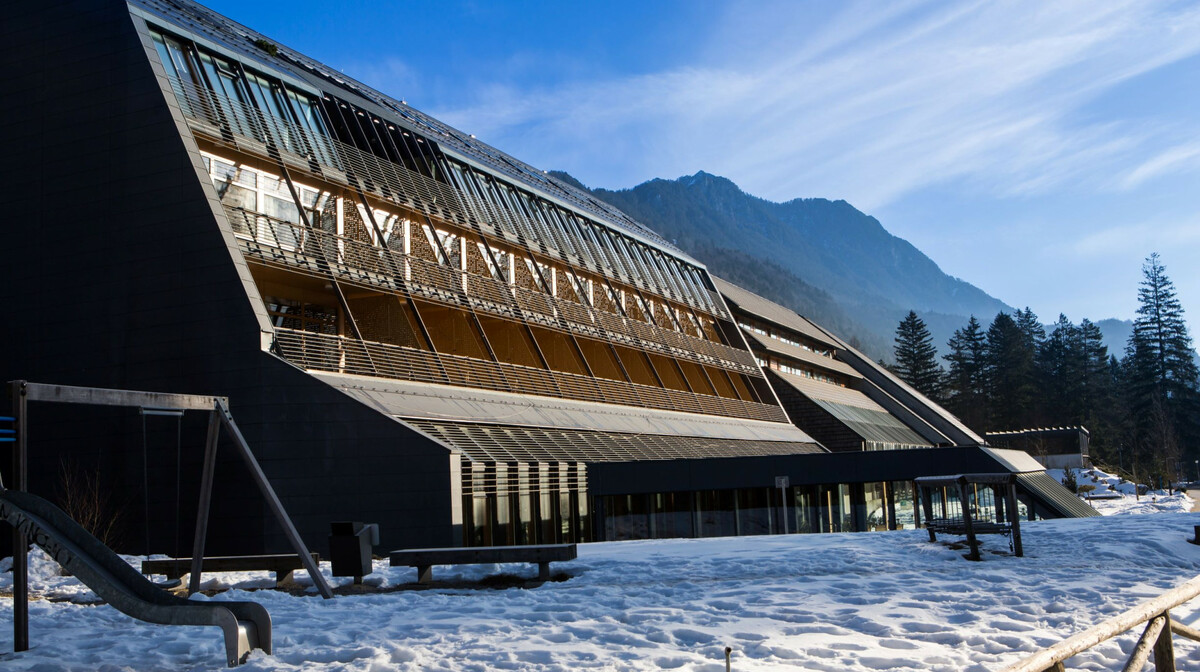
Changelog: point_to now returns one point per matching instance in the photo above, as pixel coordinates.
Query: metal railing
(326, 352)
(1156, 638)
(245, 127)
(274, 242)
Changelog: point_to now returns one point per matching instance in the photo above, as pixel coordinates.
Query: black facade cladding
(117, 275)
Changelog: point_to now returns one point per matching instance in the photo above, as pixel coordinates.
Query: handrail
(221, 118)
(389, 264)
(327, 352)
(1051, 658)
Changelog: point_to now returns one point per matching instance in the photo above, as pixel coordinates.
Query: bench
(425, 558)
(1000, 517)
(282, 564)
(959, 527)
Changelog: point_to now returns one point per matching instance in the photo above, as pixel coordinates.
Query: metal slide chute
(246, 625)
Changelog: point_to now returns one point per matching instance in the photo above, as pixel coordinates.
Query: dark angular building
(832, 391)
(412, 327)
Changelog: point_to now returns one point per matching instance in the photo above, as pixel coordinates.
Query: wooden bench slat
(282, 564)
(425, 558)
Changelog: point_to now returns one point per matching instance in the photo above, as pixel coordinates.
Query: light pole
(1197, 462)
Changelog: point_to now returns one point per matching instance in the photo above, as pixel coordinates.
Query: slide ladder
(246, 625)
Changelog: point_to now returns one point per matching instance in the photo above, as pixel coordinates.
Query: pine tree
(916, 357)
(1031, 328)
(1010, 374)
(1099, 409)
(1060, 364)
(1161, 374)
(965, 383)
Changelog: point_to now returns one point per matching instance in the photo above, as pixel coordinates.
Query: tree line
(1142, 408)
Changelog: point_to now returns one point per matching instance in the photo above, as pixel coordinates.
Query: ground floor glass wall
(508, 504)
(837, 507)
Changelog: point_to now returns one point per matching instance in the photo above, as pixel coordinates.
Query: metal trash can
(350, 546)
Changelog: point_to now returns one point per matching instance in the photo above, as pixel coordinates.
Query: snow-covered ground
(1114, 495)
(859, 602)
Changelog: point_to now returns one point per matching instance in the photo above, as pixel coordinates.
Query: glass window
(804, 510)
(716, 513)
(626, 517)
(232, 96)
(754, 511)
(671, 515)
(903, 505)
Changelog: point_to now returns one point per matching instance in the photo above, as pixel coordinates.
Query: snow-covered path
(882, 601)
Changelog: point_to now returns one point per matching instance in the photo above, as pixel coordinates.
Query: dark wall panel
(116, 274)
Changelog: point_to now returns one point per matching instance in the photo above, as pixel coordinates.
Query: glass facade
(507, 504)
(803, 509)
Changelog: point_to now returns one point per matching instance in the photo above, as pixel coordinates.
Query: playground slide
(246, 625)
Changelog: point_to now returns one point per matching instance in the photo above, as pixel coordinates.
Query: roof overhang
(402, 399)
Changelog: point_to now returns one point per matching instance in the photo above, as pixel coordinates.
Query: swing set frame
(22, 392)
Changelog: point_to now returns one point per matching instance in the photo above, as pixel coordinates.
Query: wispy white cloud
(870, 104)
(1179, 157)
(1145, 236)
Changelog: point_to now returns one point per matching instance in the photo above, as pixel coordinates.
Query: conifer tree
(1100, 412)
(1010, 374)
(1031, 328)
(1060, 365)
(965, 384)
(1160, 374)
(916, 357)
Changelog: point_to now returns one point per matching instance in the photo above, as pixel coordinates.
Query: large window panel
(386, 319)
(696, 378)
(452, 331)
(510, 341)
(668, 372)
(559, 351)
(600, 358)
(637, 366)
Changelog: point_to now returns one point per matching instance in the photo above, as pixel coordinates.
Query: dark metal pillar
(20, 567)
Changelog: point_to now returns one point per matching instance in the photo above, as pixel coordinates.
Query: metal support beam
(20, 568)
(273, 502)
(206, 486)
(95, 396)
(1013, 518)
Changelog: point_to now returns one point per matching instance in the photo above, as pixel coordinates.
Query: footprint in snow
(688, 637)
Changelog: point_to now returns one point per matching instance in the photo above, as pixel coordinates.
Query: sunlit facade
(413, 328)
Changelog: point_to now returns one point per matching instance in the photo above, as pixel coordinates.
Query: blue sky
(1037, 150)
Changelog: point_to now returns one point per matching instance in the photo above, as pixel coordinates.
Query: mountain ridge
(825, 256)
(822, 258)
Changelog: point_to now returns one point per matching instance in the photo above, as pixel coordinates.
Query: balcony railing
(324, 352)
(275, 242)
(242, 126)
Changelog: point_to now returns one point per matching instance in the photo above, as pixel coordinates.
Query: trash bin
(350, 546)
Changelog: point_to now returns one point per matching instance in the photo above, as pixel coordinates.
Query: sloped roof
(772, 312)
(856, 411)
(788, 350)
(428, 401)
(209, 25)
(507, 443)
(1054, 496)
